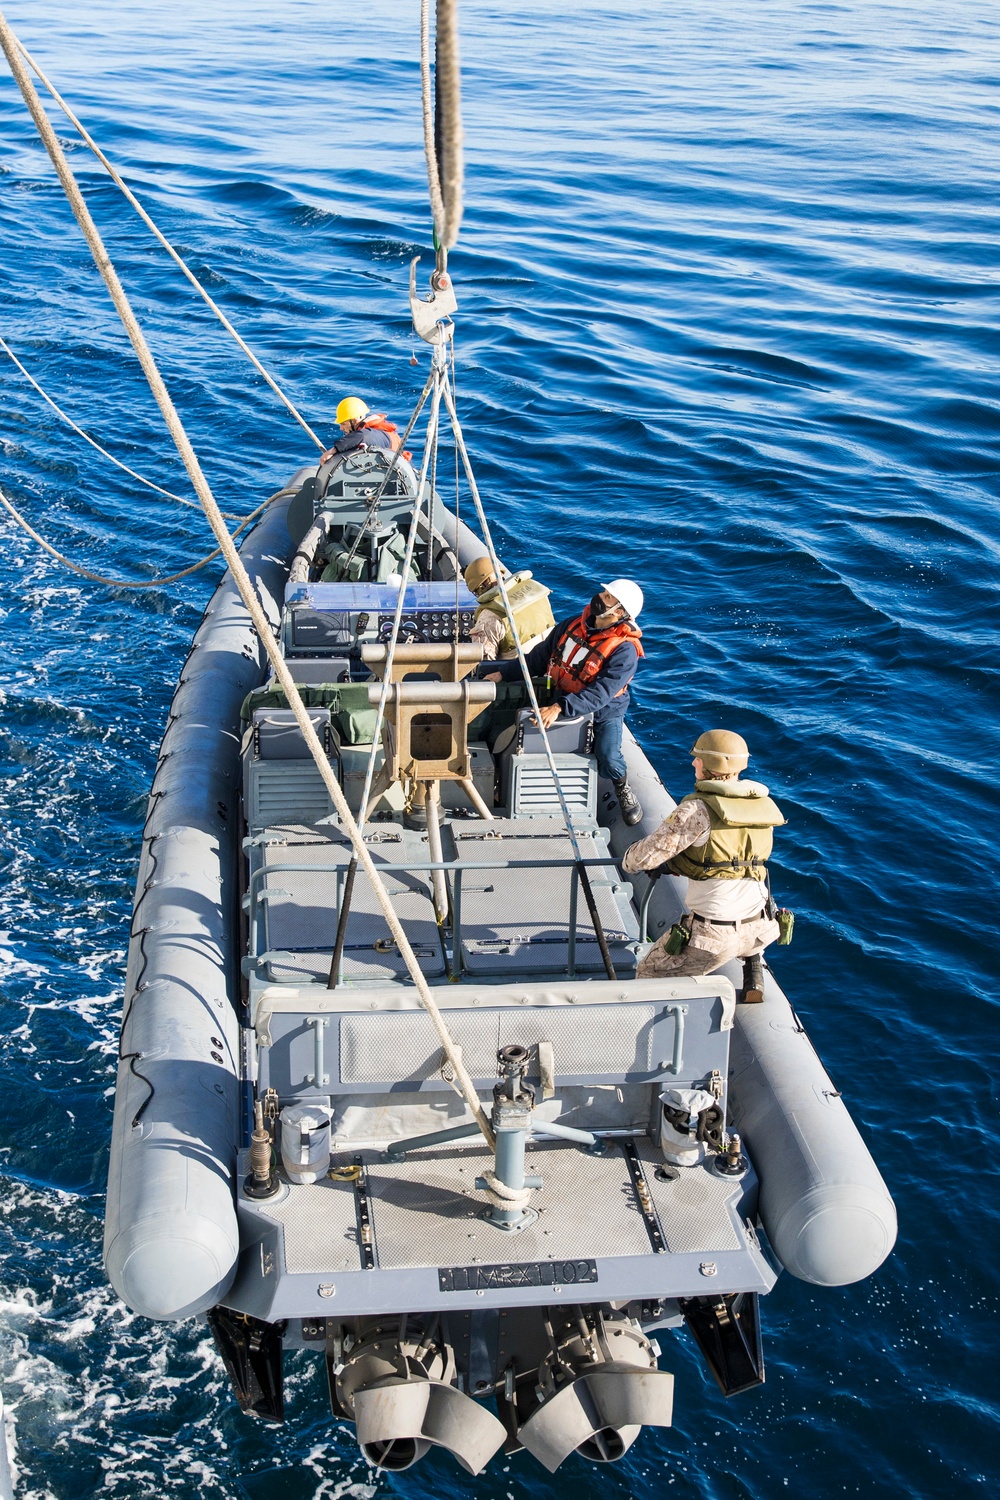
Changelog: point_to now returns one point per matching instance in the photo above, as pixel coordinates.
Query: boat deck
(418, 1226)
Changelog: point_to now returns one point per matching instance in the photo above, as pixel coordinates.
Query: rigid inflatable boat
(291, 1159)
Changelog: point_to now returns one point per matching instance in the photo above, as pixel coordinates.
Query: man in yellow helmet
(360, 428)
(720, 838)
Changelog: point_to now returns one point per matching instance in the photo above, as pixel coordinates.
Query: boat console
(325, 619)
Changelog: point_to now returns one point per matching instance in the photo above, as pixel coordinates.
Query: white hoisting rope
(443, 150)
(181, 500)
(144, 216)
(581, 868)
(442, 123)
(123, 583)
(430, 445)
(237, 568)
(449, 402)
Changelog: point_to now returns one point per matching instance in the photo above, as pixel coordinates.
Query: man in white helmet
(590, 660)
(720, 838)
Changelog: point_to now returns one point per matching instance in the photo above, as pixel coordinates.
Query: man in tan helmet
(529, 603)
(720, 838)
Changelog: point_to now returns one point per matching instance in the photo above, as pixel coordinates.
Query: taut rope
(240, 576)
(442, 123)
(144, 216)
(122, 583)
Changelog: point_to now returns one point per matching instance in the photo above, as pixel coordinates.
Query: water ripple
(728, 303)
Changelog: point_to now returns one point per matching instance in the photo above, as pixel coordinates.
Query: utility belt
(680, 934)
(718, 922)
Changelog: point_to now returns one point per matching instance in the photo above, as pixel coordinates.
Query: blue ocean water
(728, 290)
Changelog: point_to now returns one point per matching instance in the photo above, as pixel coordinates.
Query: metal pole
(345, 911)
(432, 800)
(595, 917)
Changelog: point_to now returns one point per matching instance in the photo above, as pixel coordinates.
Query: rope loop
(506, 1197)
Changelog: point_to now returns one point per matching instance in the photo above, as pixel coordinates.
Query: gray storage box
(277, 736)
(526, 786)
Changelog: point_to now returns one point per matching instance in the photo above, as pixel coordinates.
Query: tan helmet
(477, 573)
(721, 750)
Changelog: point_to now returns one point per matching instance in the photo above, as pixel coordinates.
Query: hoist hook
(432, 315)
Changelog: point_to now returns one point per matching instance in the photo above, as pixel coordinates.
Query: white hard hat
(628, 594)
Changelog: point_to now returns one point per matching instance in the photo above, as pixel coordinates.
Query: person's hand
(549, 715)
(492, 677)
(324, 457)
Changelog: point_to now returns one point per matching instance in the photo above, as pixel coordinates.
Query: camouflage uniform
(488, 631)
(712, 943)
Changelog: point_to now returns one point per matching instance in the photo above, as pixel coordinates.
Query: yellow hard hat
(721, 750)
(477, 573)
(351, 409)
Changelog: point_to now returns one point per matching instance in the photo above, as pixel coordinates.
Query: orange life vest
(578, 655)
(378, 419)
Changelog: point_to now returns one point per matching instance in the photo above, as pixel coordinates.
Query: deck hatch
(299, 920)
(519, 921)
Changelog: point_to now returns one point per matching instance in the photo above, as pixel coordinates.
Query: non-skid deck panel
(426, 1211)
(300, 909)
(689, 1204)
(321, 1227)
(517, 921)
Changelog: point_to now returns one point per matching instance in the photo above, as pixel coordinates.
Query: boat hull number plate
(532, 1273)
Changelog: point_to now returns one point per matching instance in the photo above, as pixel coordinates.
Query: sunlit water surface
(728, 284)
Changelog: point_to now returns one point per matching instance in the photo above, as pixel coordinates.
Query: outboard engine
(399, 1388)
(597, 1387)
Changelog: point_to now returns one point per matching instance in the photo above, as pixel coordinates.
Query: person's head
(351, 414)
(480, 576)
(621, 599)
(719, 755)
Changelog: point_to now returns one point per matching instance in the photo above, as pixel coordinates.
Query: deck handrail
(456, 867)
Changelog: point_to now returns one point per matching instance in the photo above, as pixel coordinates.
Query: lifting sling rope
(144, 216)
(169, 494)
(236, 567)
(442, 143)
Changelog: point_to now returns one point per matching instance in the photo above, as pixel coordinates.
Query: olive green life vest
(529, 603)
(739, 843)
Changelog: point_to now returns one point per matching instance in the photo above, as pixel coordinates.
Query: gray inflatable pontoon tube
(171, 1239)
(823, 1205)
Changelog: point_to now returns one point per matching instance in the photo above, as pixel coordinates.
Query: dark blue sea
(729, 287)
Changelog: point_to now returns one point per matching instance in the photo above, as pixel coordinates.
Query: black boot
(628, 802)
(752, 992)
